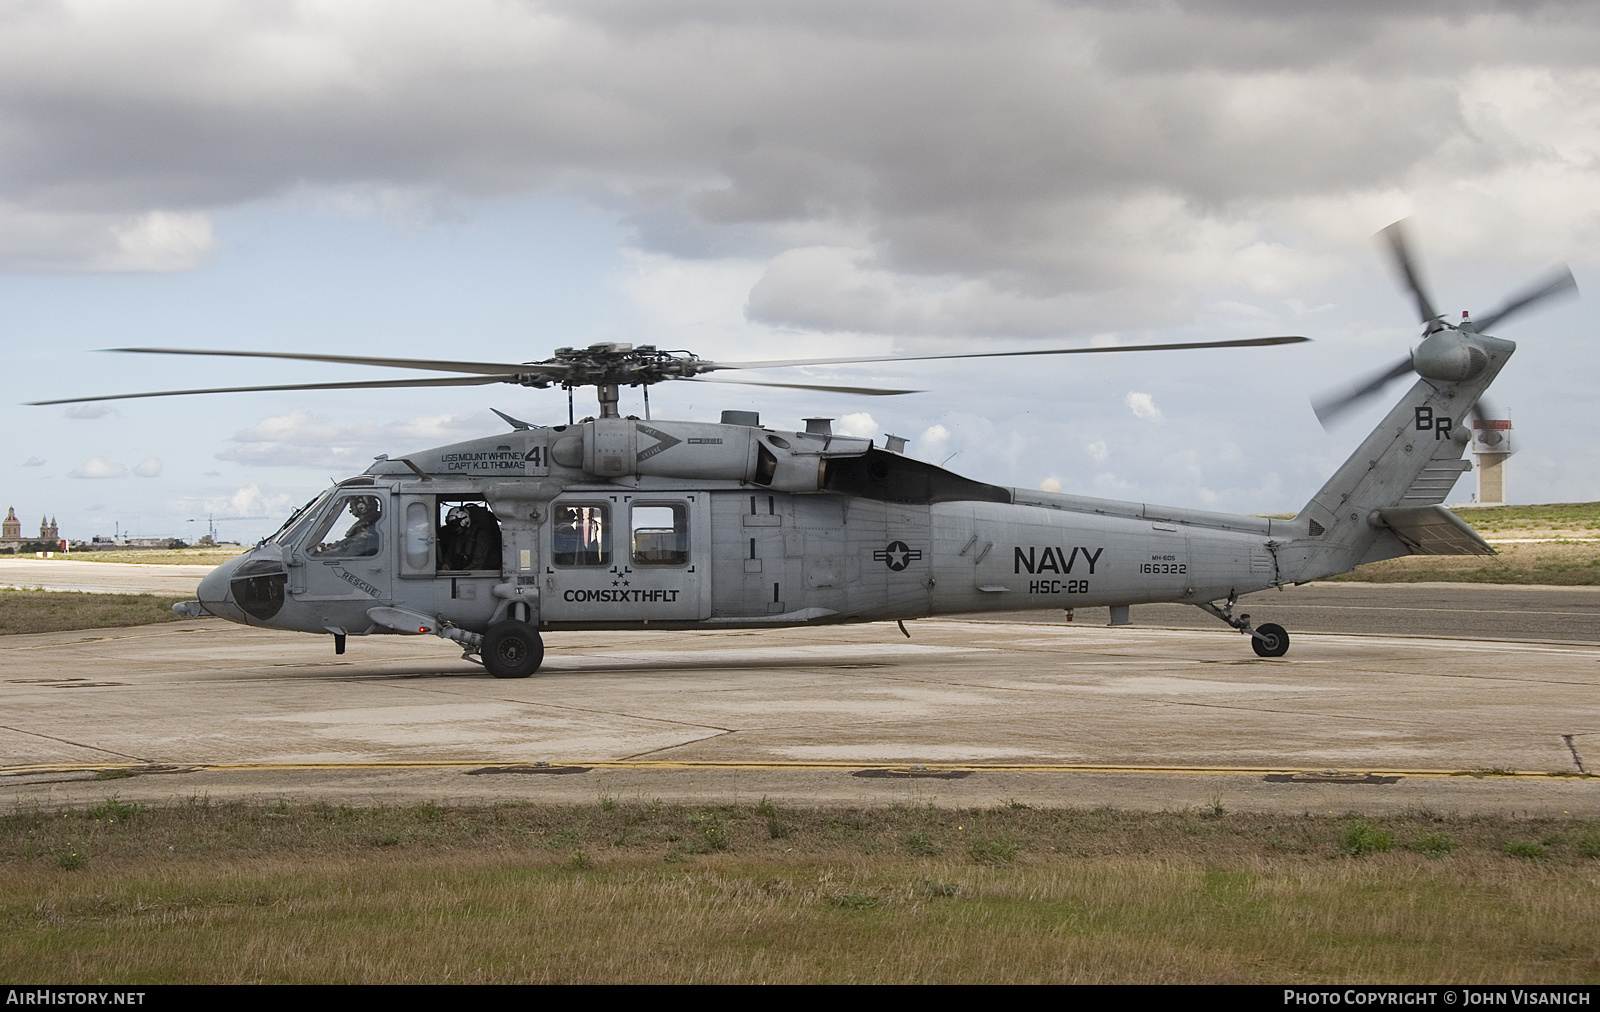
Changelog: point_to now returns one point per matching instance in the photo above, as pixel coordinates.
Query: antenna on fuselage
(515, 423)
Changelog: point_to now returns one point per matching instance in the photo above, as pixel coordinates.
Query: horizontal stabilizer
(1433, 530)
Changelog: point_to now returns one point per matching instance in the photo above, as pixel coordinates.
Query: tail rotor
(1448, 351)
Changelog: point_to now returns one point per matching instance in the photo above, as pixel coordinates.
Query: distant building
(11, 531)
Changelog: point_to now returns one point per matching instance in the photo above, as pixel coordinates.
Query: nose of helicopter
(213, 591)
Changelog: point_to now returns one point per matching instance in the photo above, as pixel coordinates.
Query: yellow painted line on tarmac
(1311, 776)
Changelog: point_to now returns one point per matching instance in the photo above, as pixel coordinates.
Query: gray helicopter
(618, 522)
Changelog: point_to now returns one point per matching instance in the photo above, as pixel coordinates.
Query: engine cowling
(783, 461)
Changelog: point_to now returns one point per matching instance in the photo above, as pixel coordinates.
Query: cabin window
(469, 536)
(660, 534)
(350, 530)
(419, 531)
(581, 535)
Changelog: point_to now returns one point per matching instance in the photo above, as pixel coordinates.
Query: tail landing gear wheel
(1273, 640)
(512, 650)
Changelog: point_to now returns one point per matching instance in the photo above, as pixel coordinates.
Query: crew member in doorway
(469, 539)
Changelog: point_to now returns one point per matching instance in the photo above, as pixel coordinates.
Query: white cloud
(99, 467)
(1143, 406)
(150, 467)
(835, 288)
(858, 424)
(933, 443)
(301, 439)
(1050, 485)
(91, 239)
(87, 411)
(250, 501)
(959, 171)
(960, 168)
(1109, 484)
(159, 241)
(405, 207)
(33, 462)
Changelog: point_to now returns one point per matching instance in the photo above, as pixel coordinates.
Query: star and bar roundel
(898, 555)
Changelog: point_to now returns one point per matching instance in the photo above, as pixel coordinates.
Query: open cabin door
(450, 556)
(627, 557)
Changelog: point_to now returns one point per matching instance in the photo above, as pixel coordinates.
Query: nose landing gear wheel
(512, 650)
(1273, 640)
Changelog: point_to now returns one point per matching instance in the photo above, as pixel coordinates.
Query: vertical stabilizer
(1395, 466)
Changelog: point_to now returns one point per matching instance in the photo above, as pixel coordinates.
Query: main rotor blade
(1396, 236)
(433, 365)
(1254, 342)
(1559, 282)
(449, 381)
(864, 391)
(1331, 406)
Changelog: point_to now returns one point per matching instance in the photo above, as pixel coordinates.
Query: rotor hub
(619, 364)
(1449, 356)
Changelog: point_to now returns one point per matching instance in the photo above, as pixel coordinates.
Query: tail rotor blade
(1560, 282)
(1485, 411)
(1331, 406)
(1399, 248)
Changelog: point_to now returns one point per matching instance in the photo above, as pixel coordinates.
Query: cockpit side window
(581, 535)
(349, 530)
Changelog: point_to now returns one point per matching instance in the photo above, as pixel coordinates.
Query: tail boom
(1427, 431)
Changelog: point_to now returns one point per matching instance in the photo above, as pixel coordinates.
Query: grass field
(645, 892)
(34, 611)
(1568, 564)
(1561, 562)
(1554, 520)
(173, 557)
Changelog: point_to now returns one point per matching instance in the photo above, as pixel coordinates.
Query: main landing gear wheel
(512, 650)
(1272, 641)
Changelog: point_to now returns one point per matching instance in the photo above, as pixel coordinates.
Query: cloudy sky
(493, 179)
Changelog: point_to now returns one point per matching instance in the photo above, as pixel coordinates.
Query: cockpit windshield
(298, 521)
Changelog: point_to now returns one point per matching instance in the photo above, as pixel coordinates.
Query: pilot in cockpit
(362, 537)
